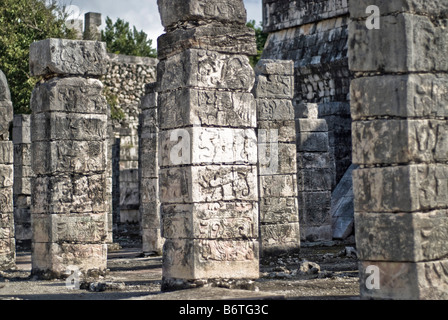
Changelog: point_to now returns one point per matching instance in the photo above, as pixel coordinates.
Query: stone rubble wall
(7, 239)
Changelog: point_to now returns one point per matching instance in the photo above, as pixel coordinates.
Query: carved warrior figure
(208, 147)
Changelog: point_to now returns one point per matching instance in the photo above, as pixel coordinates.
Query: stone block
(274, 86)
(307, 111)
(54, 258)
(404, 96)
(56, 126)
(149, 190)
(71, 94)
(69, 157)
(286, 130)
(68, 57)
(152, 241)
(411, 44)
(6, 118)
(22, 186)
(275, 67)
(313, 160)
(279, 210)
(231, 39)
(279, 237)
(278, 186)
(208, 146)
(69, 194)
(311, 125)
(315, 208)
(187, 107)
(275, 109)
(406, 280)
(149, 100)
(149, 165)
(277, 158)
(6, 226)
(149, 120)
(150, 215)
(212, 221)
(208, 184)
(405, 237)
(69, 228)
(210, 259)
(399, 141)
(6, 200)
(312, 142)
(204, 69)
(226, 11)
(315, 179)
(6, 152)
(410, 188)
(421, 7)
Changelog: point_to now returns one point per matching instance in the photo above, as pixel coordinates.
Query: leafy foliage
(121, 39)
(261, 39)
(21, 23)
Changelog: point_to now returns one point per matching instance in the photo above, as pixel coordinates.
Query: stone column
(279, 216)
(69, 148)
(7, 241)
(400, 132)
(207, 144)
(152, 240)
(92, 23)
(314, 174)
(22, 178)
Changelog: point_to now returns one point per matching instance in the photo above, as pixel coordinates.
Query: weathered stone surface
(149, 191)
(312, 142)
(51, 260)
(399, 141)
(307, 111)
(277, 158)
(314, 208)
(274, 86)
(275, 109)
(311, 125)
(6, 200)
(405, 47)
(406, 237)
(21, 131)
(409, 188)
(69, 194)
(213, 37)
(220, 220)
(58, 126)
(421, 7)
(68, 57)
(72, 94)
(278, 186)
(406, 280)
(5, 94)
(212, 184)
(6, 117)
(68, 228)
(279, 210)
(404, 96)
(188, 107)
(211, 259)
(283, 14)
(69, 156)
(204, 69)
(286, 130)
(275, 67)
(21, 154)
(279, 237)
(208, 146)
(174, 12)
(314, 179)
(6, 152)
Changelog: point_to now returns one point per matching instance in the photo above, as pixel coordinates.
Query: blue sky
(143, 14)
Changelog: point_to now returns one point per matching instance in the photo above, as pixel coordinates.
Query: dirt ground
(320, 271)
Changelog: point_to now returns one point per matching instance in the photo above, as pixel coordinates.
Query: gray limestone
(70, 206)
(207, 147)
(7, 234)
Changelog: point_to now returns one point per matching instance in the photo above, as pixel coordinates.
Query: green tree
(121, 39)
(261, 39)
(21, 23)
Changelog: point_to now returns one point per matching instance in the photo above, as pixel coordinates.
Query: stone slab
(278, 186)
(275, 109)
(279, 237)
(68, 57)
(274, 86)
(279, 210)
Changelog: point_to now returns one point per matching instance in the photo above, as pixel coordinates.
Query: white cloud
(143, 14)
